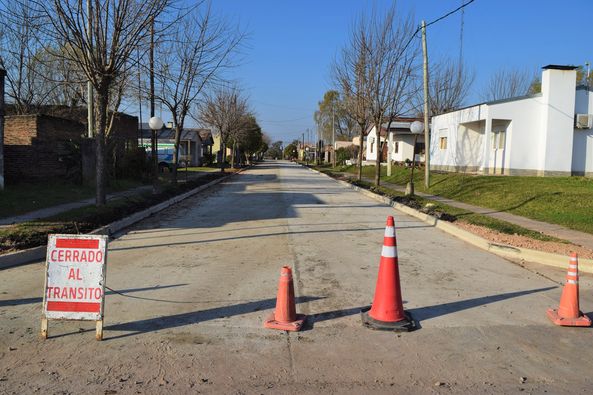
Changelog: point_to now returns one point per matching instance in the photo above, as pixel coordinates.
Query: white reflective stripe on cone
(573, 266)
(390, 231)
(571, 274)
(572, 281)
(389, 252)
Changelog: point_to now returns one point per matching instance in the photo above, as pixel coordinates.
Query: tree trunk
(378, 160)
(222, 154)
(360, 153)
(233, 156)
(178, 130)
(103, 99)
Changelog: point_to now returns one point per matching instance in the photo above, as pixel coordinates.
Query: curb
(506, 251)
(38, 253)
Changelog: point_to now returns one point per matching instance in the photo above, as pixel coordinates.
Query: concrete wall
(458, 140)
(468, 141)
(372, 137)
(405, 147)
(558, 94)
(582, 152)
(582, 148)
(523, 133)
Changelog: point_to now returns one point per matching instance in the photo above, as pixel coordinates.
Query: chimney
(558, 99)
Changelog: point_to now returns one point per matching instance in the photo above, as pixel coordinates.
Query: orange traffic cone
(285, 316)
(387, 311)
(568, 313)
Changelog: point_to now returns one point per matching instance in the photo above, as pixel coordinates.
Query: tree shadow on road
(173, 321)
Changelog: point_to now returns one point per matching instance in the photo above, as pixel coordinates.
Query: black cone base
(406, 325)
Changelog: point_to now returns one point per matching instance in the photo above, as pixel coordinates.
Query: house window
(443, 143)
(372, 144)
(396, 147)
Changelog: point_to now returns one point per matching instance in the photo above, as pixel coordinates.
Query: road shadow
(122, 292)
(173, 321)
(420, 314)
(253, 236)
(312, 319)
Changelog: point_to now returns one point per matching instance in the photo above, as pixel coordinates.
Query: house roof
(205, 134)
(399, 124)
(192, 134)
(76, 113)
(559, 67)
(499, 101)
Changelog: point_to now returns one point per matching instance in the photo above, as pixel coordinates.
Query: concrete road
(195, 283)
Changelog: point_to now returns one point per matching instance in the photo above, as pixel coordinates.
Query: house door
(497, 154)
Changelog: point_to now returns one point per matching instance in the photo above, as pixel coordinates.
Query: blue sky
(292, 44)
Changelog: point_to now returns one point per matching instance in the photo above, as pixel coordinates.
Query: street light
(416, 128)
(155, 123)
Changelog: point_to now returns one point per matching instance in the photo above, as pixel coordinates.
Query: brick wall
(20, 129)
(38, 147)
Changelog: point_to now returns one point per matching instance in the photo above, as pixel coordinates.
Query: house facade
(193, 144)
(397, 141)
(532, 135)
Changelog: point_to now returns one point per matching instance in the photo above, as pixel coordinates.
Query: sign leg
(99, 332)
(44, 328)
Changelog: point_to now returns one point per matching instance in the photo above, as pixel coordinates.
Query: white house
(402, 142)
(545, 134)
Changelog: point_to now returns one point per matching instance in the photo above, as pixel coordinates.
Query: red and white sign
(75, 277)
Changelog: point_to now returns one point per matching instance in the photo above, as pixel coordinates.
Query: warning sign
(75, 277)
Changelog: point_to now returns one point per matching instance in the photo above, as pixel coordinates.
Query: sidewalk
(575, 237)
(55, 210)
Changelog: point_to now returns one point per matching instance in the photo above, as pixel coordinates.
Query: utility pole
(2, 75)
(426, 109)
(333, 136)
(303, 147)
(90, 108)
(318, 145)
(153, 142)
(140, 100)
(389, 148)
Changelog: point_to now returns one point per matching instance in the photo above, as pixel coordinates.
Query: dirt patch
(526, 242)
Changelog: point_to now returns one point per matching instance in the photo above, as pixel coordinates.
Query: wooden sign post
(75, 280)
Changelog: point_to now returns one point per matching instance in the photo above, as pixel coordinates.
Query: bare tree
(391, 66)
(224, 109)
(19, 45)
(449, 85)
(507, 83)
(35, 76)
(103, 53)
(350, 74)
(197, 53)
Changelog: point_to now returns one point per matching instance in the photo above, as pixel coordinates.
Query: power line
(450, 13)
(461, 7)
